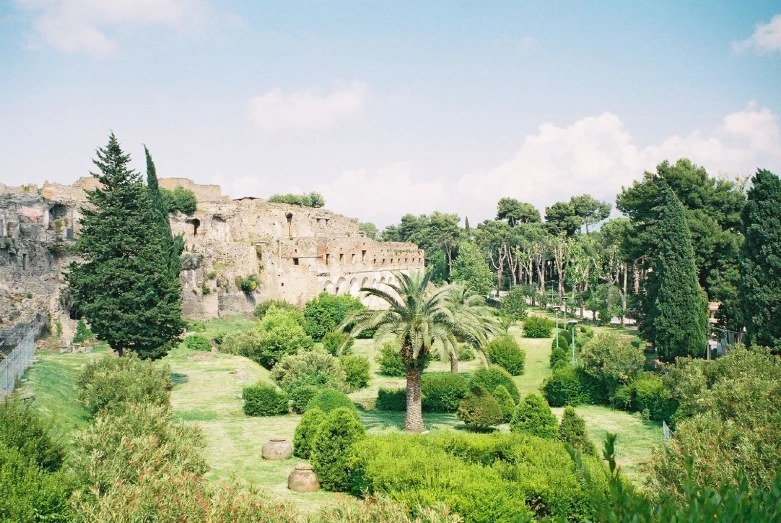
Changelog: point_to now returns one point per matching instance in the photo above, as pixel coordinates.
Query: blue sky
(392, 107)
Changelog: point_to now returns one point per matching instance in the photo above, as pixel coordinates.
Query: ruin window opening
(352, 258)
(24, 261)
(383, 261)
(374, 261)
(327, 259)
(341, 257)
(363, 256)
(289, 217)
(195, 223)
(295, 261)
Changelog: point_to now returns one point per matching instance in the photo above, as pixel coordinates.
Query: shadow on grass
(379, 420)
(178, 378)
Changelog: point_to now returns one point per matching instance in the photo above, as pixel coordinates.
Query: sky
(389, 108)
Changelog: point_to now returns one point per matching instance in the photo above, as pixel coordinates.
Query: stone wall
(293, 252)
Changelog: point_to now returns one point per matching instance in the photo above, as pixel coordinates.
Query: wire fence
(17, 353)
(668, 433)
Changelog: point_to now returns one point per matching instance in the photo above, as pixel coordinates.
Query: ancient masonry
(293, 252)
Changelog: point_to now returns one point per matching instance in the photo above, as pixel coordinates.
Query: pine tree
(174, 245)
(676, 317)
(573, 431)
(124, 286)
(760, 262)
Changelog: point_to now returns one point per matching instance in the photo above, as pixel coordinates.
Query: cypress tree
(760, 262)
(124, 286)
(676, 321)
(174, 245)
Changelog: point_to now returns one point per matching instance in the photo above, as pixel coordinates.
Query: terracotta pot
(303, 479)
(277, 448)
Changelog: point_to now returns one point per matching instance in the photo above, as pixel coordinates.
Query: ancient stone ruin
(287, 252)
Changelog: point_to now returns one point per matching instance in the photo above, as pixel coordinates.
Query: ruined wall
(293, 252)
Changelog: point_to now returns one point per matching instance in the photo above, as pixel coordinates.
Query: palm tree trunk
(414, 421)
(454, 363)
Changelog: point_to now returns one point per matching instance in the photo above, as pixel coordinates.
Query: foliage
(326, 312)
(516, 212)
(506, 353)
(22, 429)
(392, 399)
(114, 383)
(760, 286)
(443, 391)
(336, 343)
(312, 199)
(437, 234)
(248, 284)
(573, 431)
(514, 303)
(494, 376)
(179, 199)
(309, 368)
(479, 409)
(197, 342)
(675, 307)
(537, 327)
(124, 284)
(611, 360)
(557, 355)
(649, 392)
(506, 403)
(332, 448)
(306, 429)
(390, 361)
(330, 399)
(263, 307)
(369, 229)
(564, 388)
(263, 399)
(381, 509)
(357, 370)
(471, 268)
(466, 353)
(300, 396)
(533, 416)
(561, 219)
(590, 210)
(82, 333)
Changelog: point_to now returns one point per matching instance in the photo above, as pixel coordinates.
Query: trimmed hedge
(479, 409)
(558, 355)
(332, 449)
(494, 376)
(573, 431)
(392, 399)
(533, 416)
(648, 392)
(264, 400)
(505, 402)
(330, 399)
(306, 429)
(300, 397)
(537, 327)
(198, 342)
(564, 387)
(443, 391)
(506, 353)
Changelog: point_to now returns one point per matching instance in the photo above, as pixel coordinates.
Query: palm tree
(474, 321)
(421, 322)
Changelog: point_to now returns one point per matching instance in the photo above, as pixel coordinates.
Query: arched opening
(289, 217)
(57, 215)
(329, 287)
(195, 222)
(354, 287)
(342, 287)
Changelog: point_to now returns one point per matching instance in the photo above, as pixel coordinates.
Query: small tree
(514, 304)
(306, 429)
(506, 353)
(332, 449)
(533, 416)
(611, 360)
(573, 431)
(505, 402)
(479, 409)
(471, 268)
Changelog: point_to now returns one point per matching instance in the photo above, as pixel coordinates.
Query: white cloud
(594, 155)
(277, 109)
(85, 25)
(241, 186)
(766, 38)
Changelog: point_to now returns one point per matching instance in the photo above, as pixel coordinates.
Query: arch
(354, 287)
(195, 222)
(341, 286)
(329, 287)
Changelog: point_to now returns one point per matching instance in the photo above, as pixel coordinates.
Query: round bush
(301, 395)
(392, 400)
(336, 343)
(356, 369)
(197, 342)
(505, 402)
(330, 399)
(563, 339)
(465, 353)
(332, 449)
(561, 364)
(506, 353)
(389, 359)
(563, 387)
(537, 327)
(305, 432)
(479, 409)
(310, 368)
(557, 355)
(326, 312)
(622, 397)
(573, 431)
(264, 400)
(650, 393)
(533, 416)
(494, 376)
(443, 391)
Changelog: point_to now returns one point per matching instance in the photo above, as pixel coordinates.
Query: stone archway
(329, 287)
(341, 286)
(354, 287)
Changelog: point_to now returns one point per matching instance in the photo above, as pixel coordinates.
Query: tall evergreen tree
(174, 245)
(676, 307)
(471, 268)
(760, 262)
(124, 285)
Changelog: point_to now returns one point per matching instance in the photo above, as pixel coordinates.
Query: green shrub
(622, 397)
(300, 396)
(197, 342)
(330, 399)
(466, 353)
(392, 400)
(537, 327)
(443, 391)
(22, 429)
(312, 199)
(180, 199)
(636, 342)
(479, 409)
(332, 449)
(326, 312)
(494, 376)
(82, 333)
(264, 400)
(505, 402)
(389, 359)
(506, 353)
(573, 431)
(263, 307)
(304, 436)
(563, 387)
(309, 368)
(611, 361)
(113, 383)
(336, 343)
(249, 283)
(382, 509)
(558, 355)
(514, 304)
(533, 416)
(357, 370)
(561, 364)
(649, 392)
